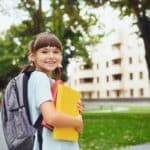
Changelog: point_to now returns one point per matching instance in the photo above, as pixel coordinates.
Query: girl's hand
(79, 126)
(80, 106)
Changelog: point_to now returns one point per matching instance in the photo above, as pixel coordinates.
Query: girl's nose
(51, 55)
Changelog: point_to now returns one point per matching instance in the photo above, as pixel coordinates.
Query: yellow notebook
(66, 102)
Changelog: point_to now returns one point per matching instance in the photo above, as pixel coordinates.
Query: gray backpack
(18, 130)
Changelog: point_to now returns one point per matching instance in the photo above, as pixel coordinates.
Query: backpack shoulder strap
(39, 128)
(38, 121)
(26, 77)
(37, 124)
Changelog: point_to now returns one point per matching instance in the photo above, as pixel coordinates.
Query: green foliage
(63, 18)
(72, 28)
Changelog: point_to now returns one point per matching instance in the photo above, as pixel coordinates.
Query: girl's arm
(59, 119)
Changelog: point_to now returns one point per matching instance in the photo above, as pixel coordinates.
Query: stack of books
(66, 102)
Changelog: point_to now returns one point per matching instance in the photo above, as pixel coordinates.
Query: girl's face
(46, 59)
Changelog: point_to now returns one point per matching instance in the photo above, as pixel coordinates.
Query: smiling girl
(45, 55)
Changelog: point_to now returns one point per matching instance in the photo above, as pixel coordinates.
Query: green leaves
(70, 20)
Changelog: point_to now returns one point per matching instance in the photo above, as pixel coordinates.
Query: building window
(86, 95)
(117, 45)
(108, 93)
(98, 80)
(97, 66)
(117, 93)
(116, 61)
(86, 80)
(131, 76)
(107, 78)
(98, 94)
(130, 60)
(141, 75)
(89, 94)
(117, 77)
(107, 64)
(141, 92)
(82, 94)
(85, 67)
(131, 92)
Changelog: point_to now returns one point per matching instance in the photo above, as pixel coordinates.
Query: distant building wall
(119, 69)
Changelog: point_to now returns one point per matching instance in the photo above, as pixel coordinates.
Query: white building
(119, 69)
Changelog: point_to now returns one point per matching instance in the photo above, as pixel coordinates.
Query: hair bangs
(45, 40)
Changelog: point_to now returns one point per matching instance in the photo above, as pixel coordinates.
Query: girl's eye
(56, 51)
(44, 51)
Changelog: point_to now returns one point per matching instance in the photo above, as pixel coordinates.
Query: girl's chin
(50, 70)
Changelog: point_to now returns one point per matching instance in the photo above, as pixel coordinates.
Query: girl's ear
(31, 57)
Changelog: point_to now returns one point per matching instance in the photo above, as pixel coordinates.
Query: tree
(64, 18)
(141, 10)
(72, 28)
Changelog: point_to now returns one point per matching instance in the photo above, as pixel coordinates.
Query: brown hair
(41, 40)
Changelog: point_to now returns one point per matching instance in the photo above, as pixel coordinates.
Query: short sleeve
(42, 88)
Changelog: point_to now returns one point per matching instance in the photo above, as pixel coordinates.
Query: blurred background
(106, 57)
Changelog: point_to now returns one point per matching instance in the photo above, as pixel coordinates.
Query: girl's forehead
(49, 48)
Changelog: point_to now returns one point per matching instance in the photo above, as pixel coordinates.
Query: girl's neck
(48, 74)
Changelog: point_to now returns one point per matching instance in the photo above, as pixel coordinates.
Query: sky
(10, 15)
(107, 16)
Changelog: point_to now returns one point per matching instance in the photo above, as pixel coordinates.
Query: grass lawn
(109, 131)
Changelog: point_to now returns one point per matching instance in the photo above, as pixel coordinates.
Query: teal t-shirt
(39, 91)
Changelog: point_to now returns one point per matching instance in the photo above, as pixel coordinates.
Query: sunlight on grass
(110, 131)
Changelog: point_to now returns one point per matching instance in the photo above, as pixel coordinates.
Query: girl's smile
(46, 59)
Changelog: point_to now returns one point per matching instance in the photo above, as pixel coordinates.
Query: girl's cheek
(59, 59)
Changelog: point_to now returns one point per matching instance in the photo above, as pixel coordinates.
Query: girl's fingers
(80, 106)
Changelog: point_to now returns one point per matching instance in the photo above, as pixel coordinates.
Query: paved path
(138, 147)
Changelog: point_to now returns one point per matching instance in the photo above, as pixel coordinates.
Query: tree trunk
(144, 26)
(37, 18)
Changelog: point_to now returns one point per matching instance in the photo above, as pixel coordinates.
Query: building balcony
(86, 73)
(115, 69)
(115, 85)
(116, 54)
(87, 87)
